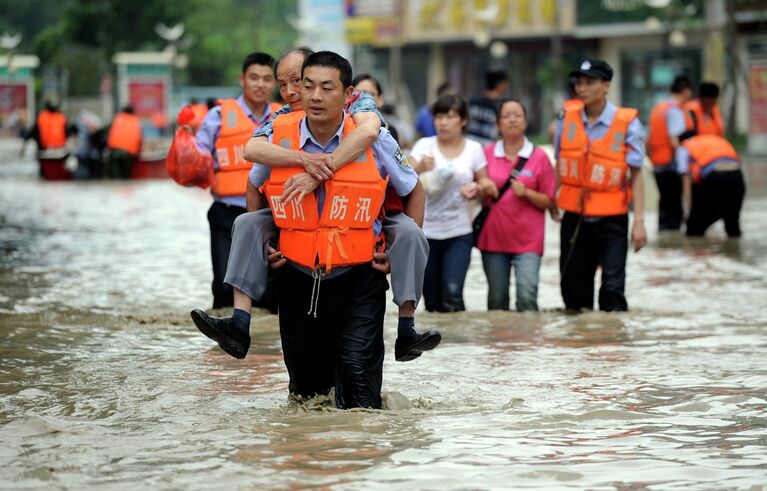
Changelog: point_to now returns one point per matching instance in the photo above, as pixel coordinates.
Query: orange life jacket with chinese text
(52, 128)
(659, 148)
(125, 133)
(593, 173)
(231, 177)
(707, 149)
(343, 235)
(703, 123)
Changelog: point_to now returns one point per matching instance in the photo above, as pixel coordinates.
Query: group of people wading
(332, 206)
(101, 151)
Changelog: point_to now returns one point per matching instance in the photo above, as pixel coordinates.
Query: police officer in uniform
(224, 132)
(667, 125)
(713, 184)
(331, 271)
(599, 151)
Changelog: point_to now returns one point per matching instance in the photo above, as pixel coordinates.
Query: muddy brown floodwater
(105, 382)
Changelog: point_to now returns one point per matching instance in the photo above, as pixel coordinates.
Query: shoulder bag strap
(513, 175)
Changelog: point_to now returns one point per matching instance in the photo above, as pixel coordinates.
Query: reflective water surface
(105, 382)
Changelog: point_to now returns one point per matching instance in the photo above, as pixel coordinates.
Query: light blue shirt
(206, 137)
(675, 121)
(635, 134)
(682, 156)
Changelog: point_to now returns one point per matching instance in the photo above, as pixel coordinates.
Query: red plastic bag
(187, 164)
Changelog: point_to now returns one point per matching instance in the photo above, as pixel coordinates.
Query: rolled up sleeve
(682, 157)
(635, 138)
(391, 162)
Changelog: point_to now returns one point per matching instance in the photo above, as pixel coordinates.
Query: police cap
(594, 69)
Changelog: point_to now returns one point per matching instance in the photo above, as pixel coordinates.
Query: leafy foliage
(82, 35)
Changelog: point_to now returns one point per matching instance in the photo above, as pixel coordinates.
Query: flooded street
(105, 382)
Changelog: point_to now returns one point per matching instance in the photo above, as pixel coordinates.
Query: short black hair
(444, 88)
(494, 78)
(127, 109)
(257, 58)
(330, 60)
(449, 102)
(681, 83)
(367, 76)
(708, 89)
(506, 100)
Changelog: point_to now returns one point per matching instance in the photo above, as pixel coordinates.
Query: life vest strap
(334, 238)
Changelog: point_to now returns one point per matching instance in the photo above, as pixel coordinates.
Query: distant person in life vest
(666, 126)
(223, 133)
(703, 116)
(713, 184)
(124, 143)
(332, 291)
(50, 131)
(599, 151)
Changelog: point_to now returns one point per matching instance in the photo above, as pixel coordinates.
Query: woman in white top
(453, 171)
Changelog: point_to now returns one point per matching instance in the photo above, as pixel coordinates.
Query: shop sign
(596, 12)
(448, 20)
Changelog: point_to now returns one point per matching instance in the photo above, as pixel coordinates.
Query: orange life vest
(707, 149)
(125, 133)
(52, 127)
(659, 148)
(703, 123)
(344, 234)
(593, 173)
(231, 177)
(573, 104)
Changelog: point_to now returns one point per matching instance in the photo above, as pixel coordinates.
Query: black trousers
(670, 204)
(343, 346)
(221, 218)
(718, 196)
(120, 164)
(584, 247)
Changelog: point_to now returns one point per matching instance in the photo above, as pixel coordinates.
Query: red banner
(147, 98)
(13, 104)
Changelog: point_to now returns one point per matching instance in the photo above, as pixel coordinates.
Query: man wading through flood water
(332, 293)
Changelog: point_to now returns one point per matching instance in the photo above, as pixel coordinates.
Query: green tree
(81, 36)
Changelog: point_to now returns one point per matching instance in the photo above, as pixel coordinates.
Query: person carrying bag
(479, 220)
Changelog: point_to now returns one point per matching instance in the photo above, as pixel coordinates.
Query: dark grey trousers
(248, 267)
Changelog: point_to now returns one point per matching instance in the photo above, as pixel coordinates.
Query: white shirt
(448, 213)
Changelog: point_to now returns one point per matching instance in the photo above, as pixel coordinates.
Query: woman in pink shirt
(514, 229)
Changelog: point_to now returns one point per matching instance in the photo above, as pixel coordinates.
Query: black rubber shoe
(222, 331)
(411, 346)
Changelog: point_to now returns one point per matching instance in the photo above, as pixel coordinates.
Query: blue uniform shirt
(389, 161)
(206, 137)
(635, 134)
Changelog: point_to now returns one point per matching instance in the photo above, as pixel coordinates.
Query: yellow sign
(376, 31)
(443, 20)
